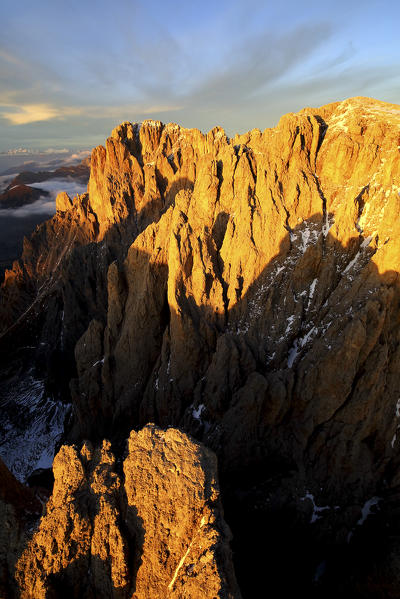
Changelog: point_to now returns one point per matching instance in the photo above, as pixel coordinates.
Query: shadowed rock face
(155, 530)
(247, 291)
(19, 510)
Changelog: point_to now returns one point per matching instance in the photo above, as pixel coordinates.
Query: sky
(71, 71)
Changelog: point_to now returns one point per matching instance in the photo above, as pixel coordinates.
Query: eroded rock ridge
(247, 291)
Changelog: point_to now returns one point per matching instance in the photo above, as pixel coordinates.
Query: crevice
(162, 183)
(234, 171)
(214, 244)
(296, 133)
(239, 288)
(325, 215)
(288, 227)
(360, 203)
(298, 194)
(178, 240)
(273, 201)
(322, 131)
(250, 160)
(252, 206)
(219, 229)
(287, 213)
(220, 178)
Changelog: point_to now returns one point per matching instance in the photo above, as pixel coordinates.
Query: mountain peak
(246, 291)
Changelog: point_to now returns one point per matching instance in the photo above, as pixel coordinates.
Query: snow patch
(290, 321)
(312, 288)
(398, 408)
(316, 509)
(196, 412)
(365, 512)
(326, 227)
(31, 425)
(309, 236)
(393, 441)
(298, 344)
(98, 362)
(305, 236)
(366, 509)
(293, 353)
(364, 244)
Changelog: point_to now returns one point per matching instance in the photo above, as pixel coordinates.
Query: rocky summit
(245, 292)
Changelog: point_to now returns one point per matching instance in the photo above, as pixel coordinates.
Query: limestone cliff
(274, 266)
(154, 530)
(247, 291)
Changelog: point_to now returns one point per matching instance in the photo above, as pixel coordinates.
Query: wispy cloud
(258, 63)
(33, 113)
(76, 157)
(55, 186)
(159, 108)
(11, 58)
(121, 110)
(236, 64)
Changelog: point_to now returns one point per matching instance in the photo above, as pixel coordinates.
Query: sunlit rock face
(153, 530)
(273, 267)
(245, 290)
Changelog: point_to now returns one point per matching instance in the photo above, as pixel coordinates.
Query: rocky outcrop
(19, 510)
(155, 530)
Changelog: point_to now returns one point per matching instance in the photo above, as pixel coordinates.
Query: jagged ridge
(257, 306)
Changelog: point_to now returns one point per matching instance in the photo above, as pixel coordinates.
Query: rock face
(275, 265)
(156, 530)
(247, 291)
(19, 508)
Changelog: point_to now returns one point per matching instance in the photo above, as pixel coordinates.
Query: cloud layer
(45, 205)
